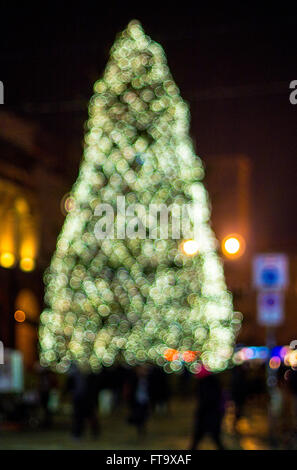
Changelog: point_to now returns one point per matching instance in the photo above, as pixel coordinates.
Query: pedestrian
(84, 388)
(139, 399)
(77, 386)
(46, 385)
(91, 409)
(159, 390)
(239, 388)
(210, 409)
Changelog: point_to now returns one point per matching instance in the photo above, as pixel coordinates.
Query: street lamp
(7, 260)
(233, 246)
(190, 247)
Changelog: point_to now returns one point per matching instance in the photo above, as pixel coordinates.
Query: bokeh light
(190, 247)
(171, 354)
(20, 316)
(7, 260)
(275, 362)
(27, 264)
(67, 204)
(133, 299)
(233, 246)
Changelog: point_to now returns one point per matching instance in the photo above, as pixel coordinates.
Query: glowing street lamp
(7, 260)
(189, 247)
(27, 264)
(233, 246)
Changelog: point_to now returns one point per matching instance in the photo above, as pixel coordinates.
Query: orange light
(21, 206)
(171, 354)
(189, 356)
(20, 316)
(291, 359)
(7, 260)
(233, 246)
(27, 264)
(190, 247)
(274, 362)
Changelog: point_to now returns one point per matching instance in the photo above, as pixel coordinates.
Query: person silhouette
(210, 411)
(139, 399)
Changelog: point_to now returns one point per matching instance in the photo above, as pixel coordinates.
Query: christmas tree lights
(143, 297)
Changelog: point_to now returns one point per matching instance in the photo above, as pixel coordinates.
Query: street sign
(270, 308)
(270, 271)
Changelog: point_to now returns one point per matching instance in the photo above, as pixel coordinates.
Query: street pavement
(171, 430)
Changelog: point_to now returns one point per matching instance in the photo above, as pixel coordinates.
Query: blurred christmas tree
(141, 293)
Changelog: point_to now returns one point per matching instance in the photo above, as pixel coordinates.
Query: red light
(171, 354)
(20, 316)
(189, 356)
(274, 362)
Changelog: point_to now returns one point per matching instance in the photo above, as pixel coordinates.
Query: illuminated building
(31, 187)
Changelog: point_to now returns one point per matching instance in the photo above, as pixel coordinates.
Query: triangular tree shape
(147, 298)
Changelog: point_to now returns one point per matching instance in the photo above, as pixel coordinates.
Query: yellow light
(21, 206)
(7, 260)
(233, 246)
(190, 247)
(291, 359)
(20, 316)
(27, 264)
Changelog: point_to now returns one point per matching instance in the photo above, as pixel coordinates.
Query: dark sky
(234, 69)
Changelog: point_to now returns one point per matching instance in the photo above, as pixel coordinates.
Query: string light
(136, 300)
(190, 247)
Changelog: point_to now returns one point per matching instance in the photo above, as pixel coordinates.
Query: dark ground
(169, 431)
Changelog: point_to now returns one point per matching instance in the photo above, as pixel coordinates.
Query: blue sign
(270, 271)
(270, 308)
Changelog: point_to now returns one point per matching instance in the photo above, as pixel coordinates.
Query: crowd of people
(143, 389)
(146, 390)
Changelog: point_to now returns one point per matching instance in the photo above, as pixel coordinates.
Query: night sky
(233, 69)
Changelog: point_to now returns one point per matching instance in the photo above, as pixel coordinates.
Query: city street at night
(148, 232)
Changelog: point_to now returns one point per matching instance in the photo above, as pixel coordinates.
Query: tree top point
(134, 22)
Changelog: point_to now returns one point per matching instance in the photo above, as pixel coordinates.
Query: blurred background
(234, 70)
